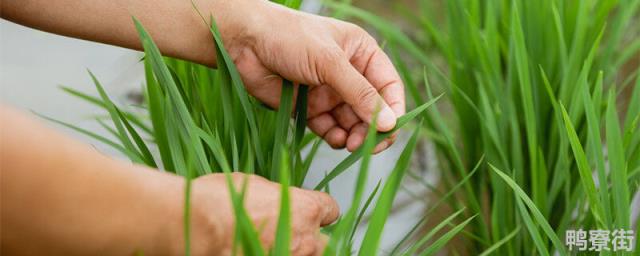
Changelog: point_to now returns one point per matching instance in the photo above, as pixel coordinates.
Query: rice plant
(533, 89)
(198, 120)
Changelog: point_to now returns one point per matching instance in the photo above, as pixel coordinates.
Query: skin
(62, 197)
(53, 188)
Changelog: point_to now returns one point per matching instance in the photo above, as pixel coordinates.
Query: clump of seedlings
(533, 88)
(532, 140)
(198, 121)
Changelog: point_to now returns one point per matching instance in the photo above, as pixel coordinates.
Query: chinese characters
(599, 240)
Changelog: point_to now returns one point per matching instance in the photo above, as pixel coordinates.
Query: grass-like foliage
(532, 88)
(198, 121)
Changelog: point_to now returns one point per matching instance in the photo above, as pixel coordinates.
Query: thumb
(356, 90)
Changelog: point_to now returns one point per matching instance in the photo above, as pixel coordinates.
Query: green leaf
(224, 60)
(532, 228)
(99, 103)
(306, 164)
(633, 116)
(526, 94)
(438, 244)
(501, 242)
(155, 101)
(537, 215)
(595, 144)
(363, 210)
(353, 157)
(583, 168)
(178, 108)
(383, 206)
(338, 243)
(122, 134)
(432, 232)
(435, 206)
(283, 230)
(300, 116)
(95, 136)
(246, 233)
(147, 157)
(282, 129)
(617, 165)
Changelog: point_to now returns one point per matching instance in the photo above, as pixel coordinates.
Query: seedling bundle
(533, 144)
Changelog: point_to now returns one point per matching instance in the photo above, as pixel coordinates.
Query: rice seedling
(198, 121)
(533, 88)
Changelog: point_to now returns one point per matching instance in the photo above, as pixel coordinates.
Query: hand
(348, 74)
(212, 204)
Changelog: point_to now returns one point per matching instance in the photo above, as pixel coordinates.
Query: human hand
(212, 204)
(348, 74)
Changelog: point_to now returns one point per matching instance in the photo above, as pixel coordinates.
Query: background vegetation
(531, 88)
(530, 136)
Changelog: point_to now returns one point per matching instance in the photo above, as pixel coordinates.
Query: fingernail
(386, 119)
(353, 142)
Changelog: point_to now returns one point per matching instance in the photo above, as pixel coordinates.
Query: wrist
(207, 231)
(160, 216)
(239, 22)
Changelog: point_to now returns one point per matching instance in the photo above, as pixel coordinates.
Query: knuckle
(307, 248)
(296, 244)
(208, 178)
(313, 211)
(257, 178)
(329, 55)
(370, 40)
(207, 226)
(354, 29)
(366, 97)
(302, 245)
(237, 175)
(328, 62)
(357, 32)
(267, 239)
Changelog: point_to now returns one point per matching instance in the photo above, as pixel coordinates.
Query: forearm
(174, 24)
(60, 197)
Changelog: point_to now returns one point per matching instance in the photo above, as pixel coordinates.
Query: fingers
(259, 81)
(343, 128)
(316, 209)
(356, 90)
(310, 245)
(345, 116)
(329, 209)
(327, 127)
(384, 77)
(336, 137)
(322, 99)
(358, 134)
